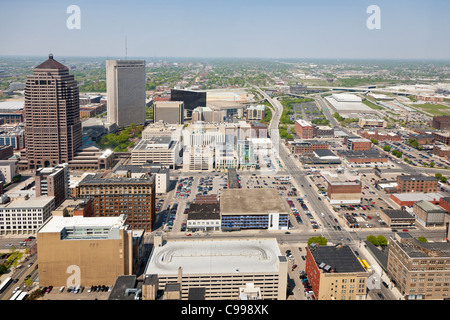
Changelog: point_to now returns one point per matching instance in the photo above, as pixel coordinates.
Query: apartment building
(421, 271)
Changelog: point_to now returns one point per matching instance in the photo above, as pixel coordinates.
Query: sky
(412, 29)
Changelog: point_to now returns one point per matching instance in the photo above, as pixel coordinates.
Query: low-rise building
(417, 183)
(253, 209)
(335, 273)
(203, 216)
(428, 214)
(344, 192)
(161, 150)
(397, 218)
(372, 123)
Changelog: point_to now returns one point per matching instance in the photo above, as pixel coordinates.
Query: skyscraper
(125, 86)
(52, 115)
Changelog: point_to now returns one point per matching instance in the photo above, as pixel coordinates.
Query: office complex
(101, 249)
(221, 266)
(25, 216)
(125, 86)
(52, 115)
(420, 270)
(133, 197)
(161, 150)
(191, 99)
(170, 112)
(335, 273)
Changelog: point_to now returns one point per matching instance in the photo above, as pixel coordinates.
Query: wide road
(321, 206)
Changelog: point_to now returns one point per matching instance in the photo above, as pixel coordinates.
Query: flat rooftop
(97, 179)
(215, 257)
(398, 214)
(417, 177)
(340, 258)
(37, 202)
(58, 223)
(418, 196)
(251, 201)
(417, 249)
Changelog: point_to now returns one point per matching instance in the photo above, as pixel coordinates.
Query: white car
(16, 289)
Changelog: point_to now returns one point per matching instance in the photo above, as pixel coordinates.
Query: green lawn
(434, 109)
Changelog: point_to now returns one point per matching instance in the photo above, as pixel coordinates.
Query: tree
(382, 241)
(387, 148)
(431, 164)
(443, 179)
(322, 241)
(422, 239)
(372, 239)
(438, 175)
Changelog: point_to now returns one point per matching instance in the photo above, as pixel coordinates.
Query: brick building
(133, 197)
(335, 273)
(416, 183)
(306, 147)
(441, 122)
(304, 129)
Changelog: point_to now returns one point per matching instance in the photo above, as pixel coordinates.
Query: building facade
(25, 216)
(335, 273)
(125, 86)
(420, 270)
(52, 115)
(112, 197)
(98, 250)
(222, 267)
(304, 129)
(416, 183)
(53, 182)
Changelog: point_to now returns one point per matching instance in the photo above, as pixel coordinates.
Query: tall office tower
(52, 115)
(125, 86)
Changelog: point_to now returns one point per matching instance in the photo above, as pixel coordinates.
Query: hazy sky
(209, 28)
